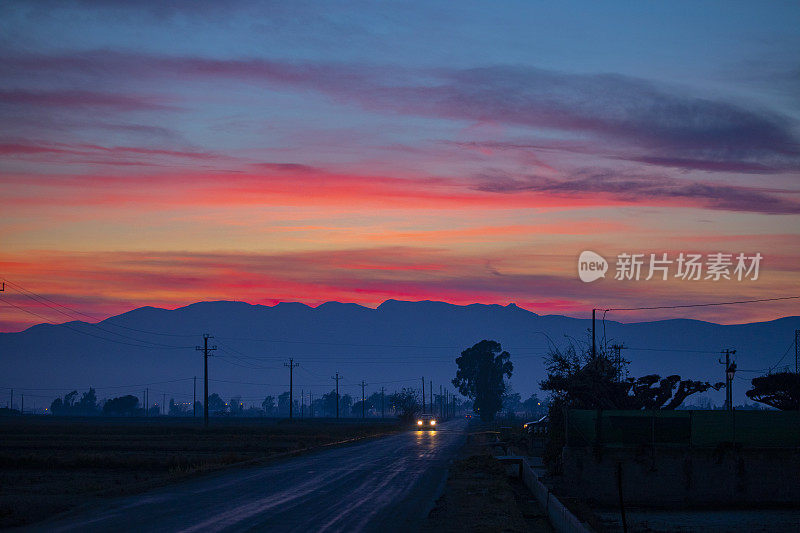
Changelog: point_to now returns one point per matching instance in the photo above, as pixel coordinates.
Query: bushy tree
(586, 380)
(405, 404)
(177, 409)
(268, 405)
(480, 374)
(127, 405)
(534, 406)
(235, 406)
(86, 406)
(216, 404)
(512, 401)
(780, 390)
(577, 378)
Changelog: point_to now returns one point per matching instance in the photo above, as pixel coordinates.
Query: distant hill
(391, 346)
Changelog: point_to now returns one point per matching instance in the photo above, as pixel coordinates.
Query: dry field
(49, 465)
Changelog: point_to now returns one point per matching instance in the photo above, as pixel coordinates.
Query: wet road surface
(387, 484)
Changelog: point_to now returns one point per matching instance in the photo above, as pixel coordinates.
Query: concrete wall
(679, 476)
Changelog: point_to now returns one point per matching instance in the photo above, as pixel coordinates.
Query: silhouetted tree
(268, 405)
(480, 376)
(68, 406)
(57, 406)
(328, 403)
(216, 404)
(591, 381)
(345, 404)
(235, 406)
(122, 406)
(405, 403)
(87, 404)
(177, 409)
(780, 390)
(283, 404)
(69, 399)
(580, 379)
(534, 406)
(512, 401)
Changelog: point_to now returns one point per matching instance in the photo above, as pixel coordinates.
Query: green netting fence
(683, 428)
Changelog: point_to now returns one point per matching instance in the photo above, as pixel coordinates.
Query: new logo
(591, 266)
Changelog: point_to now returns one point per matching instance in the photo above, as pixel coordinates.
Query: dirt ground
(480, 496)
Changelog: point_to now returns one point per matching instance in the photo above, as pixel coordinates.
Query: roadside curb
(561, 518)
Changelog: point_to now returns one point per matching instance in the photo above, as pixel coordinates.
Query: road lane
(387, 484)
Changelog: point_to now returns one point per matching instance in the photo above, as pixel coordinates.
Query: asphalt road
(387, 484)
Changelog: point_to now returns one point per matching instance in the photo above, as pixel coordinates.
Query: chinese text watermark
(684, 266)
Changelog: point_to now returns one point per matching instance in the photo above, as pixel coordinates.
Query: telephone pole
(164, 403)
(12, 400)
(337, 378)
(796, 351)
(423, 394)
(441, 404)
(383, 403)
(618, 359)
(730, 369)
(205, 350)
(147, 401)
(291, 364)
(194, 397)
(430, 382)
(594, 344)
(144, 401)
(363, 399)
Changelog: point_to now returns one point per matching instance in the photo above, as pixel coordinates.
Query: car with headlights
(426, 421)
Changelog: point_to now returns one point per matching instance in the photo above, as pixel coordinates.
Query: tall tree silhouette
(480, 376)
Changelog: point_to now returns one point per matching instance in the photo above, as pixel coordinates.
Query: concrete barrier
(561, 518)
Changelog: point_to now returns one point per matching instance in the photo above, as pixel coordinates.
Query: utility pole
(310, 404)
(441, 405)
(337, 378)
(423, 394)
(594, 344)
(618, 359)
(363, 399)
(144, 401)
(147, 401)
(796, 351)
(302, 403)
(12, 400)
(291, 364)
(194, 397)
(730, 369)
(205, 350)
(430, 382)
(22, 404)
(383, 403)
(164, 403)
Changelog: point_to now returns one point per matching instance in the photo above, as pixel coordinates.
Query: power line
(702, 305)
(27, 292)
(69, 327)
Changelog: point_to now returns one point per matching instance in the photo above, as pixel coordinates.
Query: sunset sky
(463, 152)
